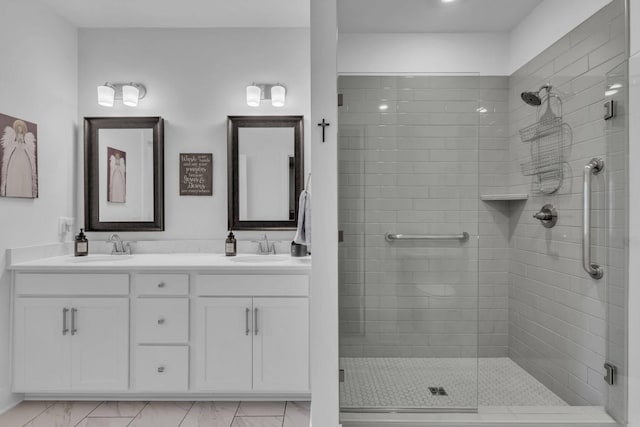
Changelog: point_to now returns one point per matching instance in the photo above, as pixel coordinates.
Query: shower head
(533, 98)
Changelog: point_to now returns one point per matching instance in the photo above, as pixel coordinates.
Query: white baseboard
(9, 400)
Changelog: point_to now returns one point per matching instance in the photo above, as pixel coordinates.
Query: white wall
(195, 79)
(546, 24)
(498, 54)
(38, 79)
(486, 53)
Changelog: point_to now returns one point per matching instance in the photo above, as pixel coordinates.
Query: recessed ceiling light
(447, 1)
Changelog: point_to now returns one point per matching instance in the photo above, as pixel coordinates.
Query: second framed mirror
(265, 171)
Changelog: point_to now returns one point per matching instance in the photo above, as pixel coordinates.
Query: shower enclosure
(483, 254)
(453, 295)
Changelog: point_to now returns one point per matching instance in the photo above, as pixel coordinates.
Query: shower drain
(438, 391)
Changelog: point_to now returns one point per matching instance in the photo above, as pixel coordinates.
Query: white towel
(303, 233)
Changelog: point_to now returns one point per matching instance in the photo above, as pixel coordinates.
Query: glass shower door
(408, 266)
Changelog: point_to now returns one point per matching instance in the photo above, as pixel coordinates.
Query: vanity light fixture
(253, 95)
(129, 93)
(256, 92)
(106, 95)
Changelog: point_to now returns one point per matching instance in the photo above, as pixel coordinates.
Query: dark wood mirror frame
(92, 126)
(233, 182)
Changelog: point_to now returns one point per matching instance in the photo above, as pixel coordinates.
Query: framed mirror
(265, 171)
(124, 174)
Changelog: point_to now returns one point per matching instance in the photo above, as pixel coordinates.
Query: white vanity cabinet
(253, 333)
(158, 330)
(68, 340)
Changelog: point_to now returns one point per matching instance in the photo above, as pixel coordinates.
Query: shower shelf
(504, 197)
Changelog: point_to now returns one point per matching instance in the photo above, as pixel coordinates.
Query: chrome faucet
(264, 248)
(119, 247)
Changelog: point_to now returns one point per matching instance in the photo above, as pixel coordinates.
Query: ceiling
(354, 16)
(431, 16)
(182, 13)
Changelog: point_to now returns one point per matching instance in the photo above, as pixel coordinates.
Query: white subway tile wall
(411, 152)
(557, 313)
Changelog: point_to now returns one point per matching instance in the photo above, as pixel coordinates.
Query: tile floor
(157, 414)
(395, 382)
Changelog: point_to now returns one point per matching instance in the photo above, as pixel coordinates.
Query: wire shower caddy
(547, 142)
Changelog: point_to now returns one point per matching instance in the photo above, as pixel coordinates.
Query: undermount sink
(100, 258)
(259, 259)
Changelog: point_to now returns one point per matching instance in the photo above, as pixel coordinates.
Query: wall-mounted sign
(196, 174)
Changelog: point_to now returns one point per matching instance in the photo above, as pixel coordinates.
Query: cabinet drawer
(162, 320)
(162, 368)
(72, 284)
(252, 285)
(162, 284)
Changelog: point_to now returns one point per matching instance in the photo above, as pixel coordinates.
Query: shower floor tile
(394, 382)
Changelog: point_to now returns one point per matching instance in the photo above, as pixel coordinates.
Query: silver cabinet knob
(160, 369)
(161, 321)
(161, 285)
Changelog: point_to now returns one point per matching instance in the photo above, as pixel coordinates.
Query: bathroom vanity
(197, 326)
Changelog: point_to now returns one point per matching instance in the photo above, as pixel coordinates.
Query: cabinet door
(281, 344)
(223, 353)
(100, 344)
(41, 357)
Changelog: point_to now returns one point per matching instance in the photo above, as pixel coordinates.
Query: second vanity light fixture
(129, 93)
(259, 91)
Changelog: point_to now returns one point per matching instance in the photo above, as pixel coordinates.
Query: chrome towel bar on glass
(594, 167)
(393, 237)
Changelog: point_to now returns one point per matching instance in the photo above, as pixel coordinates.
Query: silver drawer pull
(161, 321)
(255, 320)
(161, 285)
(65, 329)
(160, 369)
(74, 330)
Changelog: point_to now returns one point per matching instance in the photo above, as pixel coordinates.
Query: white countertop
(249, 263)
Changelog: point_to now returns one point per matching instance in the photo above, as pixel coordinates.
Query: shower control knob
(543, 216)
(547, 216)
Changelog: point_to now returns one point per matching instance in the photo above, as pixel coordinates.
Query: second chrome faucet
(264, 248)
(119, 247)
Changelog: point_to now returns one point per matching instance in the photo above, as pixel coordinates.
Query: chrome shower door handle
(594, 167)
(65, 329)
(246, 321)
(73, 321)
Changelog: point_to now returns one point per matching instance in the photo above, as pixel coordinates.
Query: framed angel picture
(18, 158)
(116, 175)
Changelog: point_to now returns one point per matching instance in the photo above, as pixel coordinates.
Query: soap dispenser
(230, 245)
(81, 247)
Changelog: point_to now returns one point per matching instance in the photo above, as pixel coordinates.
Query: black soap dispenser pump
(230, 245)
(81, 247)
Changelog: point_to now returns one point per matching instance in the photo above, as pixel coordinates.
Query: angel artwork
(117, 176)
(18, 158)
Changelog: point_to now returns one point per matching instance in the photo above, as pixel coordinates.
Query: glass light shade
(130, 95)
(278, 96)
(106, 95)
(253, 96)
